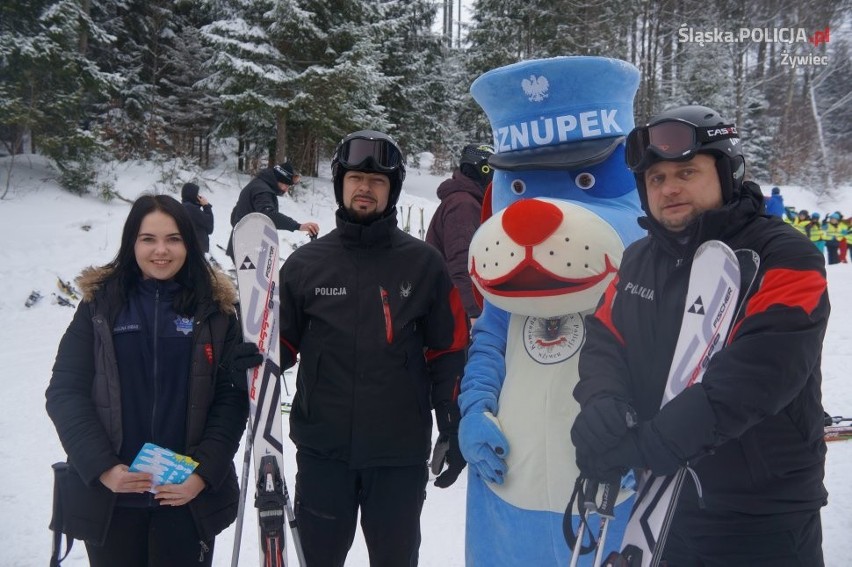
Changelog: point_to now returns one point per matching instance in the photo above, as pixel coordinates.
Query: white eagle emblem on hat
(536, 88)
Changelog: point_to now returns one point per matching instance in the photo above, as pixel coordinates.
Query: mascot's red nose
(530, 221)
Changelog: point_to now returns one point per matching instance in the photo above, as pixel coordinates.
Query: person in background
(814, 232)
(752, 430)
(789, 215)
(200, 213)
(833, 233)
(775, 203)
(380, 334)
(803, 219)
(261, 196)
(152, 355)
(845, 224)
(458, 216)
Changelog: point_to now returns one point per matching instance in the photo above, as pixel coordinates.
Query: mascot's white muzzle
(544, 256)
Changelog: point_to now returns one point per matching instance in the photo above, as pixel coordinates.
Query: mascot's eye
(519, 187)
(585, 181)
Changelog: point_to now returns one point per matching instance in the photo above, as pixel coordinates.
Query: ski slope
(46, 232)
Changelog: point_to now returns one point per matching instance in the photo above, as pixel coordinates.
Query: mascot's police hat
(558, 113)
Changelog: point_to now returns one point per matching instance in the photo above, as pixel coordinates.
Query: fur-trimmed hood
(91, 279)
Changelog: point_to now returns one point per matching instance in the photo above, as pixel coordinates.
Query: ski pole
(835, 419)
(294, 528)
(588, 496)
(576, 552)
(606, 511)
(238, 528)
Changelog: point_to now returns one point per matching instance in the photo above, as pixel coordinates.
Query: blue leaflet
(167, 466)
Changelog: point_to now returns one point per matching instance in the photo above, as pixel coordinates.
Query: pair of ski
(66, 298)
(835, 431)
(68, 293)
(719, 279)
(256, 253)
(838, 433)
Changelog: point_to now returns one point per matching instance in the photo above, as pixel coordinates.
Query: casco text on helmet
(666, 137)
(372, 152)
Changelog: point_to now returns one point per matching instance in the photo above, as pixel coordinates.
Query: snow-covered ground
(42, 236)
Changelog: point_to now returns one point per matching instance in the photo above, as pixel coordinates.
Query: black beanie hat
(284, 172)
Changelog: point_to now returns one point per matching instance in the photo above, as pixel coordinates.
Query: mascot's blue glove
(484, 446)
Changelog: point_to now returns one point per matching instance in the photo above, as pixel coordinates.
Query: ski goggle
(671, 139)
(381, 155)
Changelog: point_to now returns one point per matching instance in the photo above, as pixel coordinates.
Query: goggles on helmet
(671, 139)
(378, 154)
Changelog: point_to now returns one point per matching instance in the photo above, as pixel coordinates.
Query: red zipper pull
(387, 314)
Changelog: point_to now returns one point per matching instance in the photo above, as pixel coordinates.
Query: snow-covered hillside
(46, 232)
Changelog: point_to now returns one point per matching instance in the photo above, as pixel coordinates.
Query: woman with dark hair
(154, 354)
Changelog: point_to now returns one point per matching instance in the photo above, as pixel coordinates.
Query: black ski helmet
(712, 134)
(474, 163)
(372, 152)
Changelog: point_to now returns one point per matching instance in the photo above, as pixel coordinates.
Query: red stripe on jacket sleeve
(294, 353)
(460, 332)
(604, 312)
(788, 288)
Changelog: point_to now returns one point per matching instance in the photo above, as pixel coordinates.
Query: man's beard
(363, 218)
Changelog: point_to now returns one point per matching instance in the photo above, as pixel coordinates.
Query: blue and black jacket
(131, 372)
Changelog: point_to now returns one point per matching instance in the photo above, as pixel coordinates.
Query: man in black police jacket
(752, 429)
(380, 332)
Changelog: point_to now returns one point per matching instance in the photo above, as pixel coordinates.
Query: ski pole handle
(606, 510)
(835, 419)
(590, 495)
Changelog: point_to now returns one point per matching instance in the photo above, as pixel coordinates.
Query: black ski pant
(165, 536)
(329, 495)
(727, 540)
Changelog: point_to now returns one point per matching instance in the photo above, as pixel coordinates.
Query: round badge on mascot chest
(551, 340)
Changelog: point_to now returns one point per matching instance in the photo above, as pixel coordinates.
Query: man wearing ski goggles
(357, 305)
(671, 139)
(376, 153)
(750, 429)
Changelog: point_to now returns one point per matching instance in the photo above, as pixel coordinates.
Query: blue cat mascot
(565, 208)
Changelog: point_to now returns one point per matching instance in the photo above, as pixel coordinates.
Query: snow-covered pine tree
(249, 74)
(188, 110)
(421, 100)
(49, 82)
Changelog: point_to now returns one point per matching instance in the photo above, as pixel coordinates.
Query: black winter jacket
(380, 329)
(261, 196)
(202, 222)
(451, 230)
(752, 429)
(87, 393)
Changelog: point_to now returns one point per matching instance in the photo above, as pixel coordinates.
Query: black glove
(641, 447)
(601, 425)
(447, 449)
(242, 357)
(595, 466)
(447, 452)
